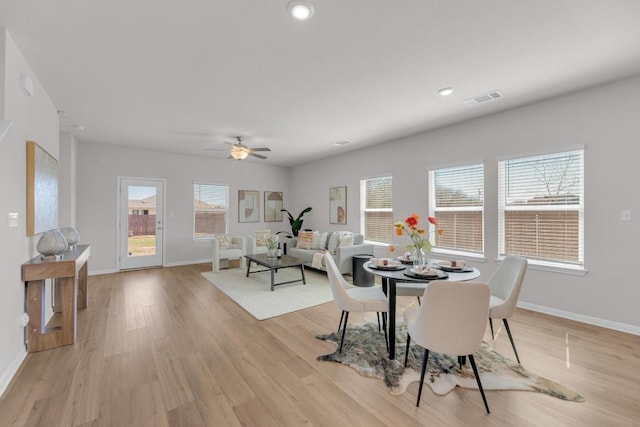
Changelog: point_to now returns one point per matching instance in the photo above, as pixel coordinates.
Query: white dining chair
(451, 320)
(356, 299)
(505, 285)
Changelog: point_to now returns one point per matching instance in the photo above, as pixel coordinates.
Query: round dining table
(390, 278)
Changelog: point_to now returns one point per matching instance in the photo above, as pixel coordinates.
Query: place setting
(385, 264)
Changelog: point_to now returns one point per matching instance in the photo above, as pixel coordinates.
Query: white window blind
(456, 199)
(541, 209)
(210, 208)
(376, 209)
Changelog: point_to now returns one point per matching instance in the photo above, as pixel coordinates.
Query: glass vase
(419, 257)
(272, 253)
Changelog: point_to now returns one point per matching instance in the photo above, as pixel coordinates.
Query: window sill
(553, 267)
(469, 256)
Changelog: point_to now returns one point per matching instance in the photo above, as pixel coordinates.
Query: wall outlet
(625, 215)
(13, 219)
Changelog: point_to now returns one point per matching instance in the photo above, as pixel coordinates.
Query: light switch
(625, 215)
(13, 219)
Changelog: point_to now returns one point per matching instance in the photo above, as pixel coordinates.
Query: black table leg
(304, 280)
(273, 279)
(391, 296)
(248, 267)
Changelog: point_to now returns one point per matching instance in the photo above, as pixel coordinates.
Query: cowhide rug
(365, 351)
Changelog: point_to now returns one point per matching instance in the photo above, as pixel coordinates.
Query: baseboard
(99, 272)
(12, 369)
(608, 324)
(180, 263)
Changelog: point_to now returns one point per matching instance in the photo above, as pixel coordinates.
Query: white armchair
(225, 247)
(256, 243)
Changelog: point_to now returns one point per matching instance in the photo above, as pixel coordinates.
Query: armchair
(225, 247)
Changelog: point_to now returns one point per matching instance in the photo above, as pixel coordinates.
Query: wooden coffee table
(274, 264)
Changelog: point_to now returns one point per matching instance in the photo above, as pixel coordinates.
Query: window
(456, 199)
(542, 208)
(210, 206)
(376, 209)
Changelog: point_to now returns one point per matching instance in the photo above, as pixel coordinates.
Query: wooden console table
(70, 275)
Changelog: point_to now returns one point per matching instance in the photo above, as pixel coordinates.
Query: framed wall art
(248, 206)
(272, 206)
(42, 190)
(338, 205)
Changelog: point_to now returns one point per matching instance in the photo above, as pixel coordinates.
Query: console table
(70, 275)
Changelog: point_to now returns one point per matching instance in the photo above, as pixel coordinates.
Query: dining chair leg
(378, 316)
(425, 359)
(491, 326)
(344, 329)
(475, 372)
(506, 326)
(419, 301)
(406, 350)
(341, 318)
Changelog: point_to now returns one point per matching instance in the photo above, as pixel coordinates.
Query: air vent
(483, 99)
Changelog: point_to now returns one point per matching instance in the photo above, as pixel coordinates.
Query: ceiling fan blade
(260, 156)
(261, 149)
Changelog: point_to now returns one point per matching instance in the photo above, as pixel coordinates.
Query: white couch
(221, 255)
(343, 254)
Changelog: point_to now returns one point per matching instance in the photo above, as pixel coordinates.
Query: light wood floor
(164, 347)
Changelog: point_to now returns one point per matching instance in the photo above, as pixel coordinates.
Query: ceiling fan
(239, 151)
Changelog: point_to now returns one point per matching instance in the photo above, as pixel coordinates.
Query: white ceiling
(180, 76)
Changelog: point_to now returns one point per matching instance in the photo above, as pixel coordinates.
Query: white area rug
(254, 294)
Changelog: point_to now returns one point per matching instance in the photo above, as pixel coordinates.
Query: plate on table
(453, 266)
(405, 260)
(424, 272)
(391, 264)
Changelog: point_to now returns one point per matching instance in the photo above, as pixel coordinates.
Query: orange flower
(440, 231)
(391, 248)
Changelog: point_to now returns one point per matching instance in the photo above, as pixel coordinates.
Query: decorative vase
(272, 253)
(419, 257)
(51, 244)
(72, 236)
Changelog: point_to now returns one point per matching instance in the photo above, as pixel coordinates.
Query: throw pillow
(334, 241)
(346, 240)
(261, 237)
(319, 240)
(224, 241)
(304, 239)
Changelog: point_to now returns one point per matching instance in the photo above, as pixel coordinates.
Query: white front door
(141, 223)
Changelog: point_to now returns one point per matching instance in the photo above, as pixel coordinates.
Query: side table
(70, 274)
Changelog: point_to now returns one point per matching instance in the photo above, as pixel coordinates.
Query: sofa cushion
(346, 240)
(224, 241)
(339, 238)
(261, 237)
(305, 238)
(319, 240)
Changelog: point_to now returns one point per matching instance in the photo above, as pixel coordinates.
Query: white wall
(99, 165)
(605, 119)
(34, 119)
(67, 179)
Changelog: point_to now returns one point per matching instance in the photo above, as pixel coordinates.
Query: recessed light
(300, 10)
(341, 143)
(445, 91)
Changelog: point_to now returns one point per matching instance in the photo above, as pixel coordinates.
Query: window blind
(457, 201)
(210, 208)
(376, 203)
(541, 207)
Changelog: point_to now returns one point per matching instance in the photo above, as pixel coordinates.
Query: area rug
(254, 293)
(364, 350)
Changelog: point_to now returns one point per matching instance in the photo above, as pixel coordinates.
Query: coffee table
(274, 264)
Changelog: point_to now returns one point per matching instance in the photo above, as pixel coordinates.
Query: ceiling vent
(483, 99)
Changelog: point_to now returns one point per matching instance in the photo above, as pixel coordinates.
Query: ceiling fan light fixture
(300, 10)
(239, 154)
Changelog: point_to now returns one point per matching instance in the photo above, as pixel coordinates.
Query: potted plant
(296, 223)
(272, 246)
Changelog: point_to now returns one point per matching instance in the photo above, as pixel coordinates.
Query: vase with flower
(419, 236)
